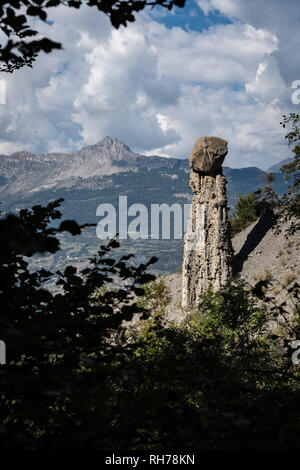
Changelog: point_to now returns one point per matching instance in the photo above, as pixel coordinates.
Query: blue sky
(216, 67)
(191, 17)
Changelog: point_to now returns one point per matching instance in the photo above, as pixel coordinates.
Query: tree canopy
(291, 201)
(75, 378)
(20, 49)
(60, 351)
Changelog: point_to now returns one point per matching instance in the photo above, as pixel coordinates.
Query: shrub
(246, 211)
(221, 380)
(265, 275)
(55, 387)
(288, 278)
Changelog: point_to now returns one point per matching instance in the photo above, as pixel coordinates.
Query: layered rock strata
(208, 253)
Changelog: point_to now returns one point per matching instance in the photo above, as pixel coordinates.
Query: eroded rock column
(208, 253)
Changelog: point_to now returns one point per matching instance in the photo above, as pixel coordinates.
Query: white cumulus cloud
(157, 88)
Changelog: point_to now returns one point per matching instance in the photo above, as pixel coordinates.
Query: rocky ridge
(25, 172)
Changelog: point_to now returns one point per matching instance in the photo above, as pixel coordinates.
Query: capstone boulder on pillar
(208, 253)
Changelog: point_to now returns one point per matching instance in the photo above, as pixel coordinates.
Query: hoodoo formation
(208, 253)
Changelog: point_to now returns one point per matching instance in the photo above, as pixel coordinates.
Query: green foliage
(292, 122)
(75, 379)
(292, 170)
(60, 353)
(238, 327)
(156, 297)
(246, 211)
(291, 201)
(281, 208)
(292, 198)
(269, 201)
(221, 380)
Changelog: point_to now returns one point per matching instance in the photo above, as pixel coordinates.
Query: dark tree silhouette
(74, 378)
(61, 347)
(20, 50)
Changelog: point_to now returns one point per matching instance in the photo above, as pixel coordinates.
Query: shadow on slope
(253, 239)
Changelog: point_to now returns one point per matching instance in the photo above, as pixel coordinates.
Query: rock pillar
(208, 253)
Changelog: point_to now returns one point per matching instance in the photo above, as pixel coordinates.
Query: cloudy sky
(216, 67)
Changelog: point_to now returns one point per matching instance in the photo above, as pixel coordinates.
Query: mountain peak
(22, 153)
(107, 141)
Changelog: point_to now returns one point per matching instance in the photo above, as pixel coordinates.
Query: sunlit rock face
(208, 154)
(208, 253)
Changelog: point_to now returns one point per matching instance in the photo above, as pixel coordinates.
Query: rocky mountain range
(99, 174)
(24, 172)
